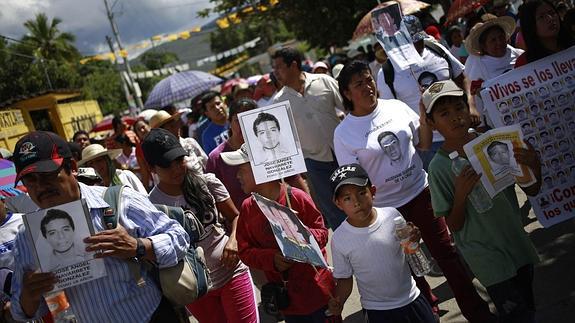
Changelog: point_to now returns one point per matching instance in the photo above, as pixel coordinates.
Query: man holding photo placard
(44, 164)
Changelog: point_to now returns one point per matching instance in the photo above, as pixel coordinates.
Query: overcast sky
(137, 19)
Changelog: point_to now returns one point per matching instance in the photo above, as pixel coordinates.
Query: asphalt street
(554, 282)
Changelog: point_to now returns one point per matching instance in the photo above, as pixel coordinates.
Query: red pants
(436, 237)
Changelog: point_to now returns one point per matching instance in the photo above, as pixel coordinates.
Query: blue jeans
(427, 155)
(318, 174)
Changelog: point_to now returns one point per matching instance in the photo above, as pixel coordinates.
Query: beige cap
(236, 157)
(162, 117)
(437, 90)
(94, 151)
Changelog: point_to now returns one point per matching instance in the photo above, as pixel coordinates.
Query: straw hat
(162, 117)
(94, 151)
(472, 41)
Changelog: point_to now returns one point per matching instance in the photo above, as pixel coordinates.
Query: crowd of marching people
(376, 144)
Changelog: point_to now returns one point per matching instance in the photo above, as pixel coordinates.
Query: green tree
(322, 23)
(154, 59)
(102, 83)
(47, 41)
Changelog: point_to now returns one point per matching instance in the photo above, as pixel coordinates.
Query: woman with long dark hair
(231, 297)
(542, 30)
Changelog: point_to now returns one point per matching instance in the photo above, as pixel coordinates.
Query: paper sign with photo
(273, 144)
(394, 37)
(57, 234)
(540, 98)
(491, 154)
(294, 239)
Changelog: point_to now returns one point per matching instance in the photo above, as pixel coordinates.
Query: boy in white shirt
(365, 246)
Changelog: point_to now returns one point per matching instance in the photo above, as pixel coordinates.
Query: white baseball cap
(437, 90)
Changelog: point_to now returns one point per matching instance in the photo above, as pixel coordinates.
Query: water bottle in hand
(479, 198)
(413, 253)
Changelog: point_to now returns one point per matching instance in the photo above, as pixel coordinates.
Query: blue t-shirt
(213, 136)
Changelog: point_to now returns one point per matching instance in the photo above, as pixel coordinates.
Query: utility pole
(129, 97)
(135, 90)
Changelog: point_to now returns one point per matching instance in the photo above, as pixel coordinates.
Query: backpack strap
(113, 196)
(187, 219)
(389, 76)
(434, 47)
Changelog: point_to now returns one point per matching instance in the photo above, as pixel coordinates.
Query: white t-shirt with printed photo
(374, 256)
(397, 172)
(407, 86)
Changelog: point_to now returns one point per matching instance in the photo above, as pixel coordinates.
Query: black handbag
(274, 297)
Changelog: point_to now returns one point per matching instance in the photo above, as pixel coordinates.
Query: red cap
(39, 152)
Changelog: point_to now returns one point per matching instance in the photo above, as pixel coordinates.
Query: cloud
(137, 20)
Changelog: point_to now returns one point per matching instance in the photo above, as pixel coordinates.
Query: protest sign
(491, 154)
(294, 239)
(273, 144)
(540, 97)
(392, 34)
(57, 234)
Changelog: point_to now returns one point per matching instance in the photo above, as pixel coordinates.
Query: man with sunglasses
(44, 164)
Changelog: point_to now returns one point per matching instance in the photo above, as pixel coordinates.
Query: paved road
(554, 283)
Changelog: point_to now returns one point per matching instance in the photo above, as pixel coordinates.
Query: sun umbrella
(408, 7)
(179, 87)
(106, 124)
(460, 8)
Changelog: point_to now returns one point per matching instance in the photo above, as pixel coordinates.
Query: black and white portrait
(501, 159)
(273, 145)
(391, 147)
(269, 135)
(58, 235)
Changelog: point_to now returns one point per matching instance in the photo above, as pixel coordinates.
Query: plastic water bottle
(415, 256)
(59, 307)
(478, 197)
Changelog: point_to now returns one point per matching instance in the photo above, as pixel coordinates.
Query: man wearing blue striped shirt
(43, 162)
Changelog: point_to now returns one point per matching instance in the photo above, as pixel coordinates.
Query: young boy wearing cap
(308, 288)
(493, 243)
(364, 245)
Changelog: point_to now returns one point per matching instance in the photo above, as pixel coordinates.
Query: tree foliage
(46, 41)
(47, 59)
(322, 23)
(155, 59)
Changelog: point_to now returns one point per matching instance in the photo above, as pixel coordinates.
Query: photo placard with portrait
(294, 239)
(393, 35)
(273, 144)
(545, 93)
(491, 154)
(58, 233)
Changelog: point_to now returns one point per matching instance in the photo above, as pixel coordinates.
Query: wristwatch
(140, 249)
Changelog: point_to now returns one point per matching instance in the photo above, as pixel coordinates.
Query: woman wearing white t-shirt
(364, 137)
(489, 55)
(102, 160)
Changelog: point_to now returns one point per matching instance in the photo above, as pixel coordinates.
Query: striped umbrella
(179, 87)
